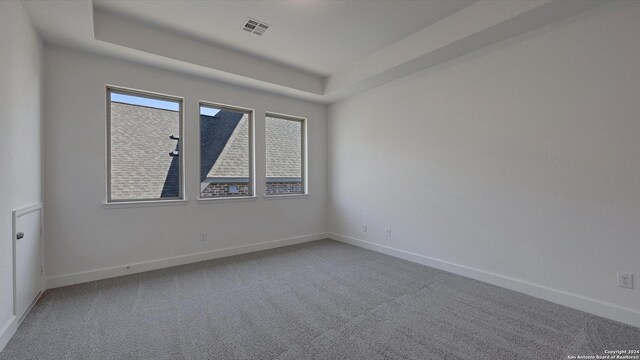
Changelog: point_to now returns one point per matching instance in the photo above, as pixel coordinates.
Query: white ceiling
(321, 37)
(317, 50)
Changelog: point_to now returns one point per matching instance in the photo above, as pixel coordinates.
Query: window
(226, 151)
(285, 144)
(144, 151)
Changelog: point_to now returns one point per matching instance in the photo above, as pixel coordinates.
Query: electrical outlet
(364, 228)
(203, 236)
(625, 280)
(388, 231)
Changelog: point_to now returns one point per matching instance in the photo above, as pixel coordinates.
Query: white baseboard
(7, 331)
(583, 303)
(127, 269)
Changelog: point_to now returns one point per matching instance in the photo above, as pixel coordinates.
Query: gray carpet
(320, 300)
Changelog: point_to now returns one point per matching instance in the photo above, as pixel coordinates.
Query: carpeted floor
(319, 300)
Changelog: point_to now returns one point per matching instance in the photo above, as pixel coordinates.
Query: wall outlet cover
(625, 280)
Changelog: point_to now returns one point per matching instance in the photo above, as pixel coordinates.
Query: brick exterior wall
(275, 188)
(222, 189)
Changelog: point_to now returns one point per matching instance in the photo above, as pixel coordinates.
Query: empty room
(319, 179)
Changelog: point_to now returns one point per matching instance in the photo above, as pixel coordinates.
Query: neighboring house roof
(284, 148)
(233, 161)
(215, 132)
(224, 140)
(141, 165)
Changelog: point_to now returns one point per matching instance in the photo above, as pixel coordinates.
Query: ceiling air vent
(254, 26)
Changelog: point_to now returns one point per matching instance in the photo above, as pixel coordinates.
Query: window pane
(225, 153)
(144, 148)
(284, 143)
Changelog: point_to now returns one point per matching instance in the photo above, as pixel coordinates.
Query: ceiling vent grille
(254, 26)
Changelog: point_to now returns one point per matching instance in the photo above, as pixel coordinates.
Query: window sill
(286, 196)
(137, 204)
(227, 199)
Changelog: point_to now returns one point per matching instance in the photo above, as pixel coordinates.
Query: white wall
(83, 236)
(521, 159)
(20, 161)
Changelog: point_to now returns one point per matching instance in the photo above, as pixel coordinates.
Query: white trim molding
(224, 199)
(127, 269)
(579, 302)
(14, 218)
(285, 196)
(144, 203)
(9, 328)
(7, 331)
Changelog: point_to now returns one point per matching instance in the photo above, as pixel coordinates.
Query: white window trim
(145, 203)
(252, 153)
(305, 156)
(225, 199)
(286, 196)
(108, 203)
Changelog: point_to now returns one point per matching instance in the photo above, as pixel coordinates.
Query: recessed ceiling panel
(322, 37)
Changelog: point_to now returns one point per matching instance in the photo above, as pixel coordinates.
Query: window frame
(181, 144)
(252, 155)
(304, 156)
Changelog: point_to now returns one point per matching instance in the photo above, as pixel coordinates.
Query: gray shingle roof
(284, 148)
(141, 167)
(284, 139)
(215, 132)
(233, 162)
